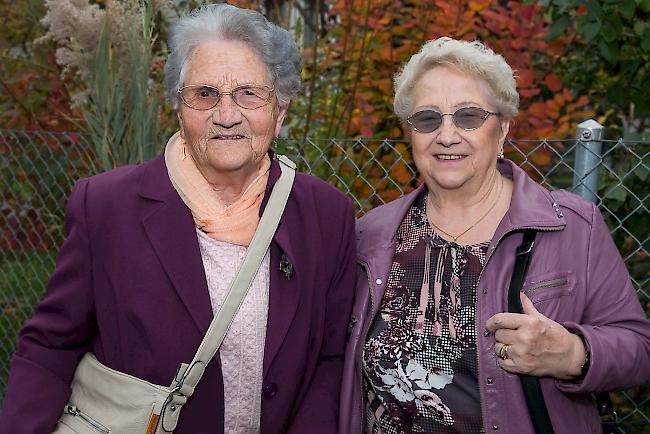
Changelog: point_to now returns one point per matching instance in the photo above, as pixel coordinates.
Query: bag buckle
(525, 249)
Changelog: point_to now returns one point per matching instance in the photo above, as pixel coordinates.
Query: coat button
(490, 380)
(270, 390)
(486, 333)
(378, 281)
(495, 427)
(484, 290)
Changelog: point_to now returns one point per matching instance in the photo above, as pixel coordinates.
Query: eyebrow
(233, 87)
(453, 108)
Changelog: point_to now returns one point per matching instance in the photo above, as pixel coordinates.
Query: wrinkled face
(228, 139)
(450, 157)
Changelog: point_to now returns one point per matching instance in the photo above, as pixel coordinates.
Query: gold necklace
(456, 237)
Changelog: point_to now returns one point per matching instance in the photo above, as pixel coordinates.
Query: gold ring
(503, 352)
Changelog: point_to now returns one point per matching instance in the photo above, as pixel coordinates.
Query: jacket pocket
(549, 286)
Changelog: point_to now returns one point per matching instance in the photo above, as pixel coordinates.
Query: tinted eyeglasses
(204, 97)
(466, 118)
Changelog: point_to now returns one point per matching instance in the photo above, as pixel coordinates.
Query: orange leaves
(554, 118)
(477, 6)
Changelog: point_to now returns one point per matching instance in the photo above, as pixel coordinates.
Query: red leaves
(372, 55)
(553, 82)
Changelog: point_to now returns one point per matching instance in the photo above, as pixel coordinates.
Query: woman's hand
(536, 345)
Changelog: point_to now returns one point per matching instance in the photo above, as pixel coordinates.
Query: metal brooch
(286, 267)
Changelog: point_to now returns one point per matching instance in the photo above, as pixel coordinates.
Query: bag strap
(608, 416)
(532, 390)
(184, 387)
(252, 262)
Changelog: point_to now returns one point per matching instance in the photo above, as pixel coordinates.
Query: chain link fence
(38, 169)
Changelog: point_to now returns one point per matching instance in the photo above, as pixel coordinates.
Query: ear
(505, 128)
(282, 112)
(180, 124)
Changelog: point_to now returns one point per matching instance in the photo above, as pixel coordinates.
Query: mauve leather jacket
(576, 277)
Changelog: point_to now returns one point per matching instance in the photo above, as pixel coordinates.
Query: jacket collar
(531, 206)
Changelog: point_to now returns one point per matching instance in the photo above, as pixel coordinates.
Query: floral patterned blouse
(420, 361)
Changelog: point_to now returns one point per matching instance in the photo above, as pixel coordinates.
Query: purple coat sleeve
(50, 346)
(318, 411)
(614, 324)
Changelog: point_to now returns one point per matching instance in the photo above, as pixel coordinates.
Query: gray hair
(472, 58)
(221, 21)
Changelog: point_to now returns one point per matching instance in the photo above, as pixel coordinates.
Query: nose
(226, 113)
(447, 133)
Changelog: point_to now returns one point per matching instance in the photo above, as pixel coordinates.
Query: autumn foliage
(359, 55)
(349, 73)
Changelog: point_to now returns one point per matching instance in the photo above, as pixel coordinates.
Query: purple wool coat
(129, 285)
(576, 277)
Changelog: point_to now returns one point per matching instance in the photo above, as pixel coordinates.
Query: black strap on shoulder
(608, 417)
(522, 259)
(532, 390)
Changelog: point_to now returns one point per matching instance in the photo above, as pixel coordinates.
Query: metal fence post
(588, 158)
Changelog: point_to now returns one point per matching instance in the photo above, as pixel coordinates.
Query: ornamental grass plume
(108, 51)
(74, 25)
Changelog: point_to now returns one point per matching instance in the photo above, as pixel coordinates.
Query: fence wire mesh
(38, 169)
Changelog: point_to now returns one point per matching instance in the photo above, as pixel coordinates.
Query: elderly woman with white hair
(443, 338)
(152, 249)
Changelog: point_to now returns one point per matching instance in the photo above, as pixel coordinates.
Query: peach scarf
(233, 224)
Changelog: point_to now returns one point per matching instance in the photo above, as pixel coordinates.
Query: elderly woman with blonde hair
(443, 338)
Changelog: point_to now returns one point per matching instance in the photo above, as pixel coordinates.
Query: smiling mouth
(450, 157)
(228, 137)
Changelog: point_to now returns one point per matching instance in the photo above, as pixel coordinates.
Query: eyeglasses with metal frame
(205, 97)
(465, 118)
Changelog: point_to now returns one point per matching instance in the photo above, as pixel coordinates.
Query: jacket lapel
(284, 294)
(376, 238)
(284, 291)
(170, 228)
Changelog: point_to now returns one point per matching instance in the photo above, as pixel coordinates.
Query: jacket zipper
(74, 411)
(362, 340)
(478, 284)
(549, 284)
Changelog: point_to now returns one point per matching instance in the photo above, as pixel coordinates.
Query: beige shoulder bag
(104, 400)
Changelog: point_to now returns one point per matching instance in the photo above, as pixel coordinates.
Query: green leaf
(590, 30)
(617, 93)
(558, 27)
(645, 42)
(627, 8)
(609, 51)
(639, 27)
(642, 172)
(618, 194)
(609, 32)
(562, 5)
(594, 8)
